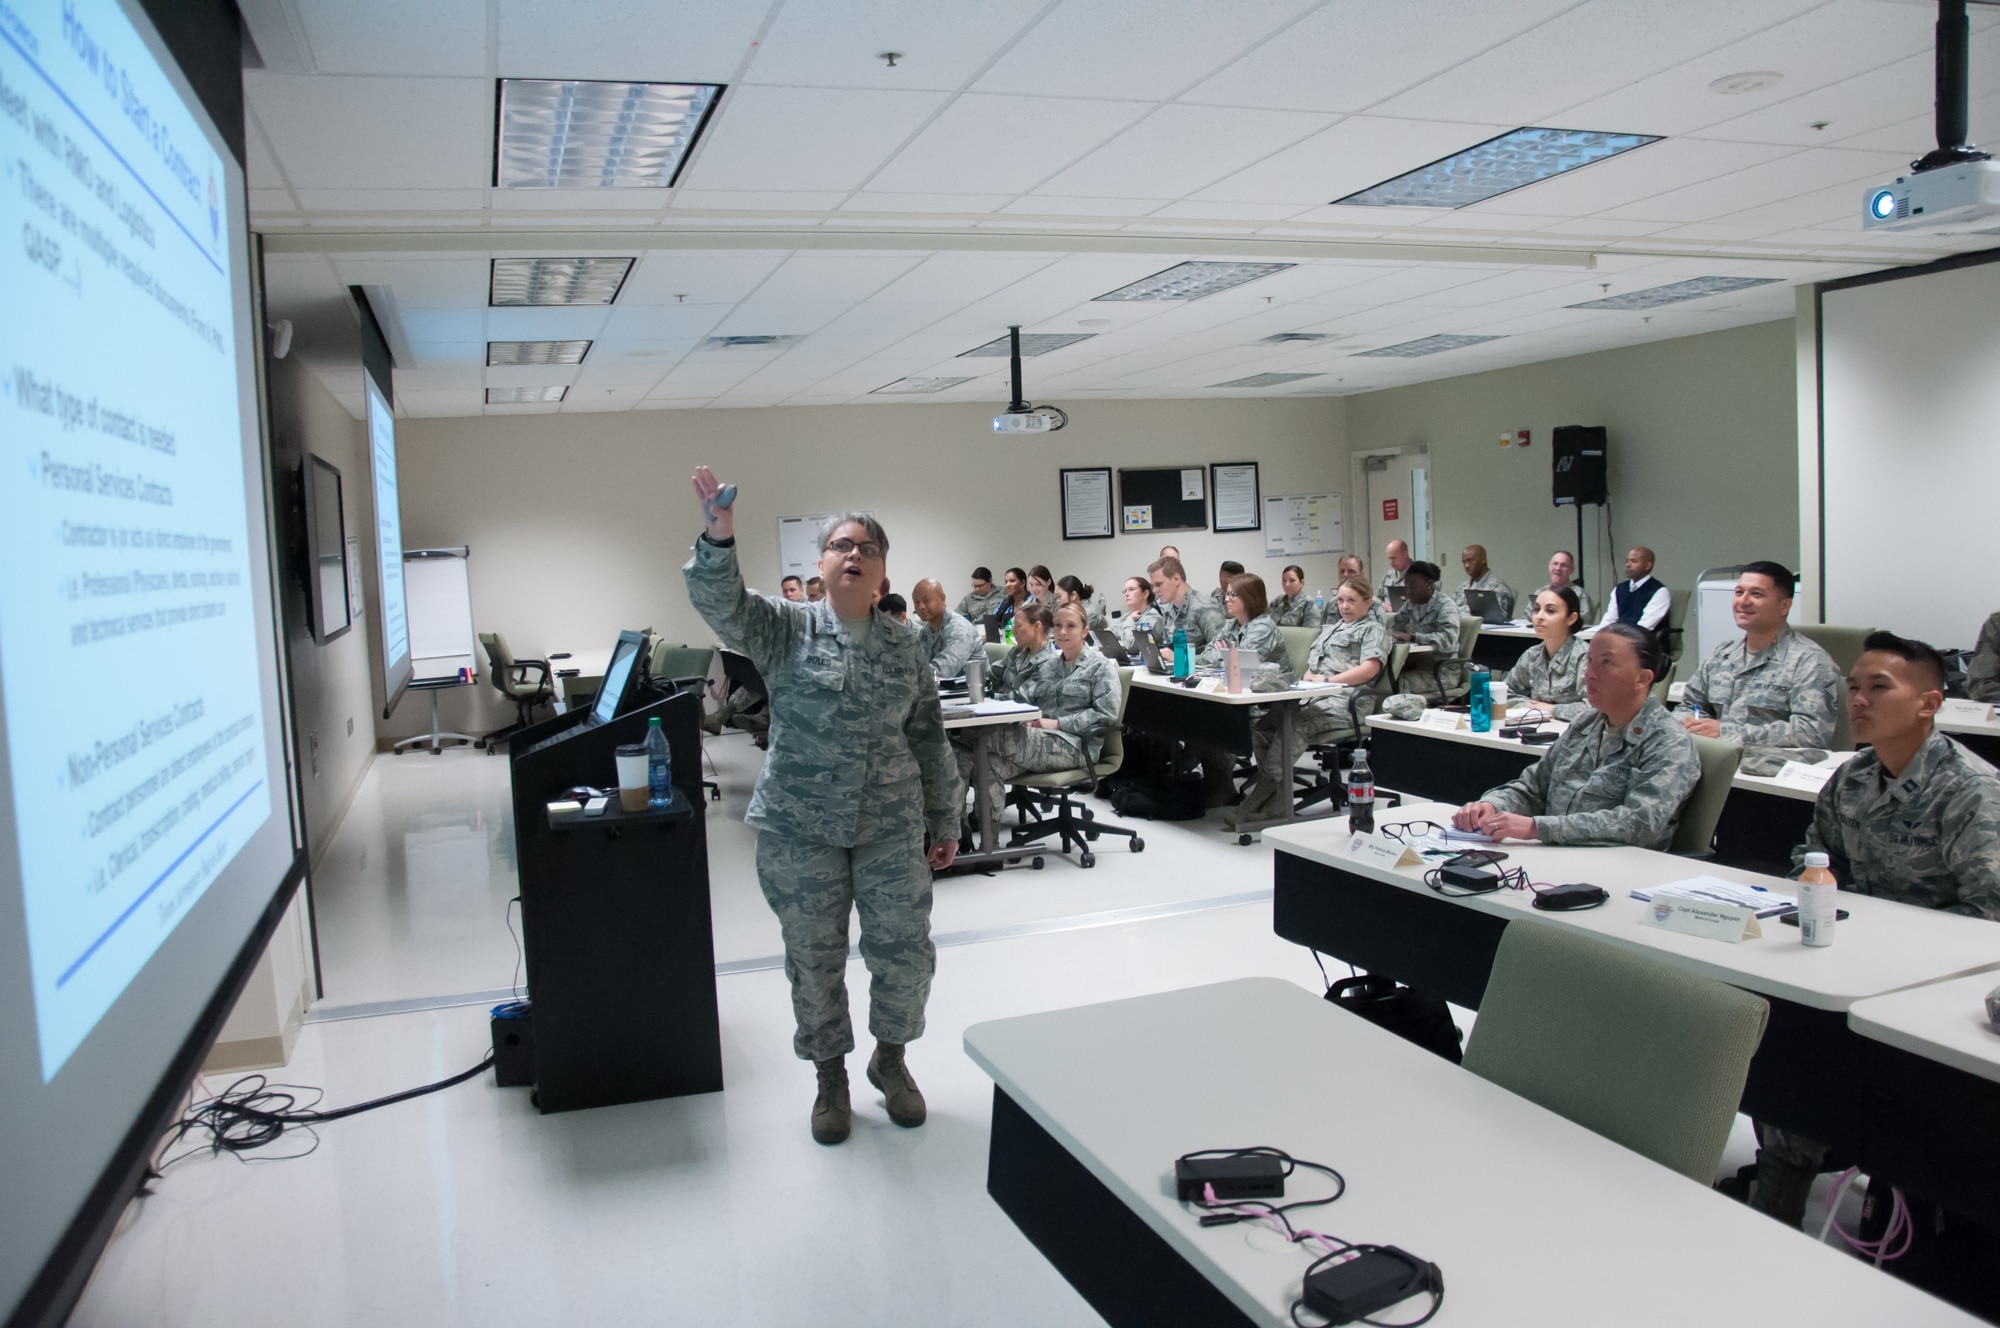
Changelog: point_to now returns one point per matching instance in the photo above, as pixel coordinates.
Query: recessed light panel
(1693, 289)
(1032, 343)
(564, 134)
(1410, 350)
(536, 352)
(1191, 281)
(521, 396)
(917, 386)
(1265, 380)
(1286, 338)
(756, 341)
(1486, 170)
(541, 281)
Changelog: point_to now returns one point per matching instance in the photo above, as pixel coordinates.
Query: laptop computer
(1113, 648)
(1398, 597)
(1150, 651)
(1485, 605)
(992, 625)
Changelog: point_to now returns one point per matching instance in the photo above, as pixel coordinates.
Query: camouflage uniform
(1095, 615)
(1013, 675)
(1082, 698)
(1929, 838)
(1982, 675)
(1785, 696)
(1582, 599)
(1127, 629)
(1299, 610)
(1600, 785)
(1489, 582)
(1201, 620)
(1537, 677)
(948, 648)
(858, 773)
(978, 608)
(1433, 623)
(1329, 716)
(1261, 635)
(1390, 577)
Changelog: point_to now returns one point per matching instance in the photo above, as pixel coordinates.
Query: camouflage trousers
(1310, 724)
(1013, 750)
(812, 887)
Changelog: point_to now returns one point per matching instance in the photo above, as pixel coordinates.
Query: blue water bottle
(1482, 701)
(659, 765)
(1183, 664)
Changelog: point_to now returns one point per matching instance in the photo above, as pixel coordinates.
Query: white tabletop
(1532, 1218)
(1800, 792)
(1945, 1022)
(1210, 689)
(993, 712)
(1883, 947)
(1509, 629)
(1962, 716)
(587, 663)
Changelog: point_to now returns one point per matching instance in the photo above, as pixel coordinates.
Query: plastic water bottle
(1232, 669)
(1183, 662)
(1819, 896)
(659, 765)
(1007, 633)
(1482, 701)
(1319, 600)
(1360, 795)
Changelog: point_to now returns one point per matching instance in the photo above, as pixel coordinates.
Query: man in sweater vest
(1638, 599)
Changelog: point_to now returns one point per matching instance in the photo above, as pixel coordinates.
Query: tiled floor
(468, 1207)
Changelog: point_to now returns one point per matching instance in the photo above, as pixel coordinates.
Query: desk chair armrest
(519, 668)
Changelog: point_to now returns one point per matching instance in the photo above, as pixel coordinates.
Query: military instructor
(855, 803)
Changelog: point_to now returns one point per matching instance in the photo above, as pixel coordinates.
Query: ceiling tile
(377, 133)
(448, 354)
(628, 39)
(663, 322)
(806, 138)
(951, 205)
(438, 38)
(1178, 149)
(1144, 49)
(950, 280)
(992, 144)
(1053, 205)
(392, 200)
(675, 276)
(1657, 168)
(1801, 172)
(1351, 155)
(838, 43)
(444, 325)
(755, 200)
(554, 323)
(817, 277)
(436, 283)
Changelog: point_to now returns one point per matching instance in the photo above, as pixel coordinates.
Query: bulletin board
(1165, 498)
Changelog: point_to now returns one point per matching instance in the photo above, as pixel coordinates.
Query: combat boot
(832, 1117)
(887, 1072)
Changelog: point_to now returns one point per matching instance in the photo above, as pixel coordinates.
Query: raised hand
(717, 519)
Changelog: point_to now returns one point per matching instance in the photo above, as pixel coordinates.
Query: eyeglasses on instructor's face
(843, 546)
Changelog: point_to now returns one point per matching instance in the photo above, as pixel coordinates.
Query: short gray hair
(861, 519)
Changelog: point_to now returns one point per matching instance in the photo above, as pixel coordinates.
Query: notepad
(1765, 903)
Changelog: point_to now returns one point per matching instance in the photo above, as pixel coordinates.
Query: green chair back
(1694, 833)
(1298, 645)
(996, 651)
(1844, 644)
(1646, 1054)
(685, 666)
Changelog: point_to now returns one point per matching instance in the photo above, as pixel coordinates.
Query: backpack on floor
(1150, 801)
(1413, 1015)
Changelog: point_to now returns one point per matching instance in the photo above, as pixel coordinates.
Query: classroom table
(1944, 1022)
(1812, 1074)
(1500, 646)
(989, 713)
(1531, 1218)
(1973, 724)
(577, 675)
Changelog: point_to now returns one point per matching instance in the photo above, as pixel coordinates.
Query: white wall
(579, 523)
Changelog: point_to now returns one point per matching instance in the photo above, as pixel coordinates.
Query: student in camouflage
(858, 781)
(1072, 590)
(1398, 555)
(1478, 576)
(1562, 573)
(1250, 628)
(1429, 619)
(1914, 818)
(1352, 650)
(1773, 688)
(1141, 613)
(1013, 675)
(1549, 674)
(985, 597)
(1180, 607)
(1294, 608)
(1982, 674)
(1077, 691)
(1618, 775)
(949, 640)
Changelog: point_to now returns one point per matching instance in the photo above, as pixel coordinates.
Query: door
(1398, 506)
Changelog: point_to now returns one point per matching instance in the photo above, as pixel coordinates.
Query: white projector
(1960, 199)
(1024, 422)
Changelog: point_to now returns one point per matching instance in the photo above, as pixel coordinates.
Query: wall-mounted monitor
(395, 617)
(326, 549)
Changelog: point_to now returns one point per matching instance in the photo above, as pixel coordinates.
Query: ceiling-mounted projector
(1021, 415)
(1954, 189)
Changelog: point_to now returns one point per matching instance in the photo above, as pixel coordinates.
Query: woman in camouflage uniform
(1550, 673)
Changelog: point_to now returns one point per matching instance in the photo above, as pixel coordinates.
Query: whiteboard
(1309, 523)
(798, 545)
(438, 589)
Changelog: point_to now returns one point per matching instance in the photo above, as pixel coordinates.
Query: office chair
(526, 682)
(1468, 637)
(1326, 783)
(1670, 631)
(1844, 644)
(1074, 823)
(1694, 833)
(1646, 1054)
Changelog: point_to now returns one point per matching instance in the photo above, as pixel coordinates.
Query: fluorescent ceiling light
(1191, 281)
(517, 396)
(1032, 343)
(565, 134)
(917, 386)
(538, 281)
(1485, 170)
(1692, 289)
(1282, 338)
(536, 352)
(1265, 380)
(753, 342)
(1410, 350)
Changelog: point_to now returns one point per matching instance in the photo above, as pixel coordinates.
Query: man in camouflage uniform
(1915, 818)
(1773, 691)
(1429, 619)
(1616, 776)
(949, 640)
(1562, 573)
(1478, 576)
(1982, 675)
(1398, 554)
(1181, 608)
(859, 775)
(1077, 691)
(985, 598)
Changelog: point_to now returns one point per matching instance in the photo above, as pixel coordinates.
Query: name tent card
(1382, 852)
(1701, 917)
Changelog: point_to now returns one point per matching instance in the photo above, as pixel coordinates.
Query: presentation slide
(134, 706)
(388, 537)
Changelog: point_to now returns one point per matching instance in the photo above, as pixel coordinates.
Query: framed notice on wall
(1086, 504)
(1234, 485)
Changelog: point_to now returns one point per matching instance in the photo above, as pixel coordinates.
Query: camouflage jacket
(1433, 623)
(1195, 615)
(948, 648)
(1600, 785)
(1127, 629)
(1017, 671)
(978, 608)
(1786, 695)
(1982, 674)
(1343, 645)
(1489, 582)
(858, 753)
(1299, 610)
(1390, 577)
(1537, 677)
(1083, 698)
(1931, 837)
(1261, 635)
